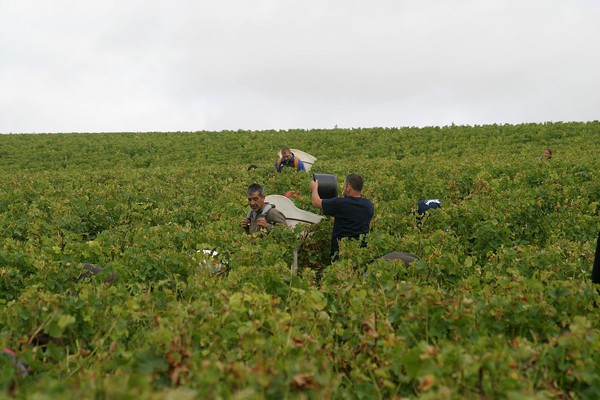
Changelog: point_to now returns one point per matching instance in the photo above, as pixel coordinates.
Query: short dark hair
(355, 181)
(285, 148)
(255, 187)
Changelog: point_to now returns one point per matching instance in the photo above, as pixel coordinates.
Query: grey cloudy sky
(187, 65)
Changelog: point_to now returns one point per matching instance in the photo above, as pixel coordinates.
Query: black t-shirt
(352, 218)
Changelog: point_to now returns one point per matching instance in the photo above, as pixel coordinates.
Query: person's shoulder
(331, 205)
(369, 204)
(274, 210)
(333, 200)
(366, 204)
(363, 200)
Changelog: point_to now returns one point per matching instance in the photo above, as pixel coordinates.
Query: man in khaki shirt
(262, 215)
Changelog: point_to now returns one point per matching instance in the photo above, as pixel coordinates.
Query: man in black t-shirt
(352, 212)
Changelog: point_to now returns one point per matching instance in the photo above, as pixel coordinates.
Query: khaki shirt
(273, 217)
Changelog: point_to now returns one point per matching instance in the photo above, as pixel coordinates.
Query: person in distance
(262, 215)
(352, 213)
(288, 159)
(547, 154)
(423, 207)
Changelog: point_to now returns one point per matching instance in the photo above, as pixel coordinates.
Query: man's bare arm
(314, 197)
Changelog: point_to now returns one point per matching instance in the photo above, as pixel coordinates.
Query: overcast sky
(188, 65)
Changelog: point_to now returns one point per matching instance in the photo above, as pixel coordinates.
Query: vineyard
(498, 305)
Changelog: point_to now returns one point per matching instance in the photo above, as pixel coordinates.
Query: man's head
(286, 154)
(256, 196)
(353, 181)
